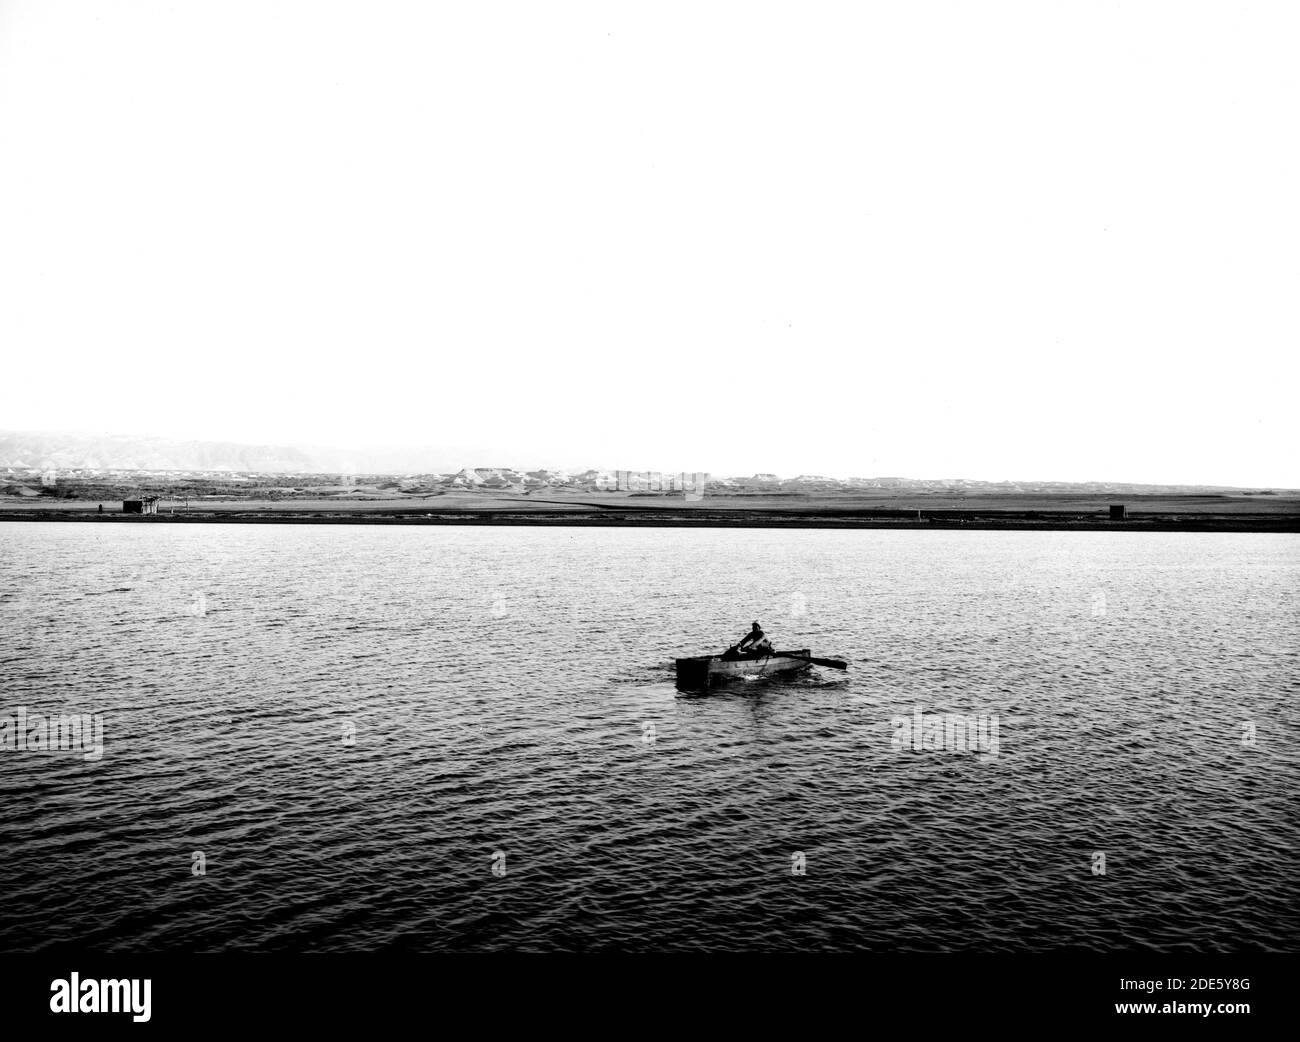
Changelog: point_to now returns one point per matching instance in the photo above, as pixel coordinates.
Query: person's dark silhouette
(754, 643)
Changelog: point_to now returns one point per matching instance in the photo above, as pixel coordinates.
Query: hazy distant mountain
(23, 454)
(57, 452)
(20, 450)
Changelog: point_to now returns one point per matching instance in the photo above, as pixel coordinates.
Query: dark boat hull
(702, 670)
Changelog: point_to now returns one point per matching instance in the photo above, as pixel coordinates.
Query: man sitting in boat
(753, 645)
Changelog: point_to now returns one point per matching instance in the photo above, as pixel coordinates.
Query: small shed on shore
(147, 505)
(1118, 512)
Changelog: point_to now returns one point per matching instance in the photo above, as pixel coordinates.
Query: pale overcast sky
(992, 240)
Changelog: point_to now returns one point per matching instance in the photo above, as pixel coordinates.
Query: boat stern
(693, 672)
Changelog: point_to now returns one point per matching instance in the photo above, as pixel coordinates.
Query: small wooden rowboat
(703, 670)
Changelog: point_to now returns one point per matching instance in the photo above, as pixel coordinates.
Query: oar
(829, 663)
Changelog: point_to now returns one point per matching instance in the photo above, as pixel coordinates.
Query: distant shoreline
(1071, 513)
(696, 518)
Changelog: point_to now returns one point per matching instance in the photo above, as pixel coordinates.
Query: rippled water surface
(350, 722)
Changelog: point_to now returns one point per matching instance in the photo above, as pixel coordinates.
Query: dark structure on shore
(147, 505)
(1118, 512)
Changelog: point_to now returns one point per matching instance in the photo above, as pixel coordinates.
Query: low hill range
(30, 461)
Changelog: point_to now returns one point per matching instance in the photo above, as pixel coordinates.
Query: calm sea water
(355, 725)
